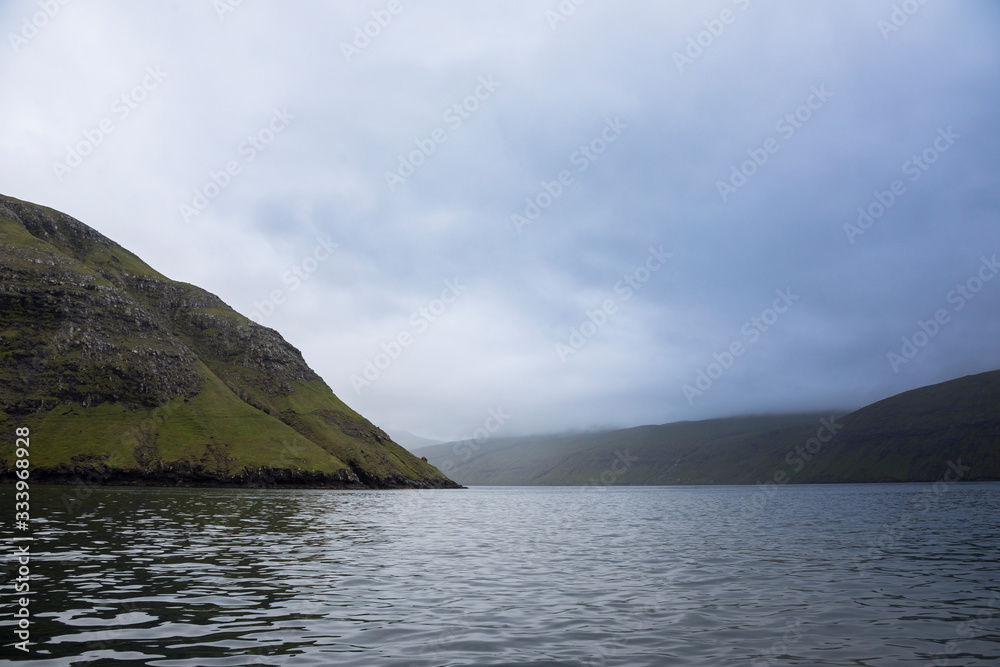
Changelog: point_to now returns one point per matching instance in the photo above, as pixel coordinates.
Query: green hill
(912, 436)
(123, 375)
(909, 437)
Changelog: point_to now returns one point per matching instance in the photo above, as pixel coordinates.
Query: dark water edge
(900, 574)
(185, 475)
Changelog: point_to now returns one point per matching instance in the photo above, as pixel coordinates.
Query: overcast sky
(609, 214)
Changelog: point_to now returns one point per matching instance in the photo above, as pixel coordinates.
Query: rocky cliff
(124, 375)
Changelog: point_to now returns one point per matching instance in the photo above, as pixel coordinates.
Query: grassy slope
(213, 429)
(909, 437)
(316, 412)
(237, 419)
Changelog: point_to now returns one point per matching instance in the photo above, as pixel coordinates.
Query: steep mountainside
(124, 375)
(909, 437)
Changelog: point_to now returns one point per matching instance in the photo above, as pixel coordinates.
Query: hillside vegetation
(913, 436)
(124, 375)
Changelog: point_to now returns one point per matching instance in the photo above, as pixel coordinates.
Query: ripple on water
(560, 576)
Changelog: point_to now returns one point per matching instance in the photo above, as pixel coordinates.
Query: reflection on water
(812, 575)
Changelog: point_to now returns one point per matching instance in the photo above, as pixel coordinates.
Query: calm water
(815, 575)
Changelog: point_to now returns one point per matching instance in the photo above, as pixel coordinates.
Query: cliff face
(124, 375)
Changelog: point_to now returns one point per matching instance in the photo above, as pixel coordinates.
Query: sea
(863, 575)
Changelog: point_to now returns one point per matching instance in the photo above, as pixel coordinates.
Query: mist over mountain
(916, 436)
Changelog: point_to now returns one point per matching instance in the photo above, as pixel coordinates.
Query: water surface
(873, 575)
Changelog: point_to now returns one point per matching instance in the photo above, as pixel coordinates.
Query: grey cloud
(656, 184)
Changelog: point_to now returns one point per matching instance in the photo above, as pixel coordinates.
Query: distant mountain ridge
(123, 375)
(912, 436)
